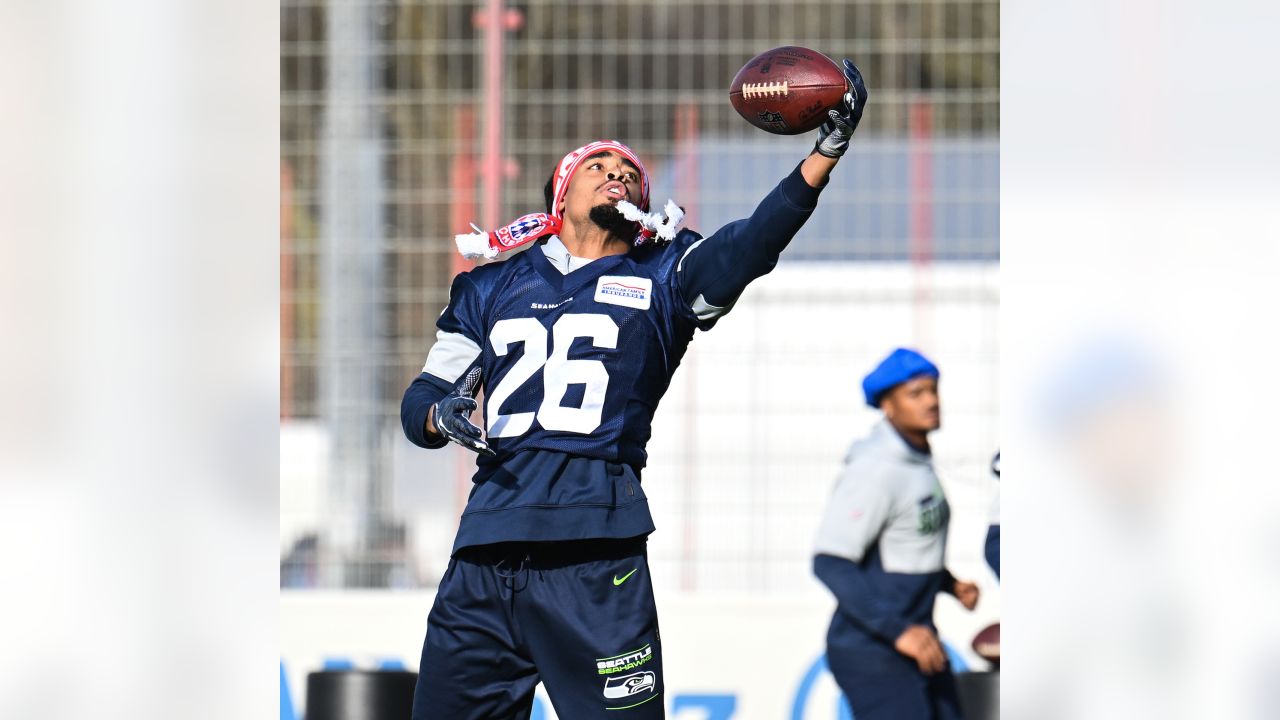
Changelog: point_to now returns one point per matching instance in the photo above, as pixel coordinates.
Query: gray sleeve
(859, 508)
(451, 355)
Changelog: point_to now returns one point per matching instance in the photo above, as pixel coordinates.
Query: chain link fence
(385, 108)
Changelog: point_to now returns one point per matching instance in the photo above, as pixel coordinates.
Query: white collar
(560, 258)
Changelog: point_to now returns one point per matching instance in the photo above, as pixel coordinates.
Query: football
(987, 643)
(787, 90)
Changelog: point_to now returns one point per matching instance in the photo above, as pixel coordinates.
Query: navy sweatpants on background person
(578, 616)
(882, 684)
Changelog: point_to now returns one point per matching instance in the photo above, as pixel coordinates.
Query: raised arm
(716, 269)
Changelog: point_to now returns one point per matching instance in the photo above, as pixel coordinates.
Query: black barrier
(979, 695)
(360, 695)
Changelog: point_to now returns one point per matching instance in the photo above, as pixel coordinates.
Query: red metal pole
(491, 152)
(494, 20)
(921, 217)
(462, 181)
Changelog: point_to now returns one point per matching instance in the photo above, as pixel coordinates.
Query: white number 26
(559, 372)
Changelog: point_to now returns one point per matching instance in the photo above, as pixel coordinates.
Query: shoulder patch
(625, 290)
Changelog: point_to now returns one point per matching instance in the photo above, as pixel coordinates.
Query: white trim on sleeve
(452, 354)
(705, 310)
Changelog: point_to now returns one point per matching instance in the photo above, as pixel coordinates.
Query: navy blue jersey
(574, 365)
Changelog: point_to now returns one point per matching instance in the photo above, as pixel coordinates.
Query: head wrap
(651, 227)
(569, 165)
(901, 365)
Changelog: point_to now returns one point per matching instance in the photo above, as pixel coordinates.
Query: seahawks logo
(617, 688)
(933, 514)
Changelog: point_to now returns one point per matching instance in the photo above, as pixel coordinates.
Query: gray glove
(835, 133)
(452, 411)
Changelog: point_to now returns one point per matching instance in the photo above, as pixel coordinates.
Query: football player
(574, 341)
(880, 550)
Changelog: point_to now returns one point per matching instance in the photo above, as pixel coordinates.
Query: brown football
(987, 643)
(787, 90)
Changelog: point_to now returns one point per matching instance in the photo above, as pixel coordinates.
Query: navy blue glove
(451, 415)
(835, 133)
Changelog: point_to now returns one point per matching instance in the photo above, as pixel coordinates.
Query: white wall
(755, 650)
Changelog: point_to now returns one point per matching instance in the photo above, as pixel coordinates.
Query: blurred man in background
(880, 550)
(574, 342)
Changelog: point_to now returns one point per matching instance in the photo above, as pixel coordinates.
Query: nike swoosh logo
(618, 581)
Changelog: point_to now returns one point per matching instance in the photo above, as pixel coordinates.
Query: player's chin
(605, 212)
(607, 216)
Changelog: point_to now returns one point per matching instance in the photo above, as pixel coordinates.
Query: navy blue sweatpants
(579, 616)
(882, 684)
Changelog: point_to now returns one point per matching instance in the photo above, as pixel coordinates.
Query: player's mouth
(614, 190)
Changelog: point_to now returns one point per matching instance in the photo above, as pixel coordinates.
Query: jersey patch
(934, 514)
(625, 290)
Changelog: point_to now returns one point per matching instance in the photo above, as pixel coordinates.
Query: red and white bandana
(569, 165)
(531, 227)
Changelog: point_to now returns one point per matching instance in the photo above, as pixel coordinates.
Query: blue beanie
(901, 365)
